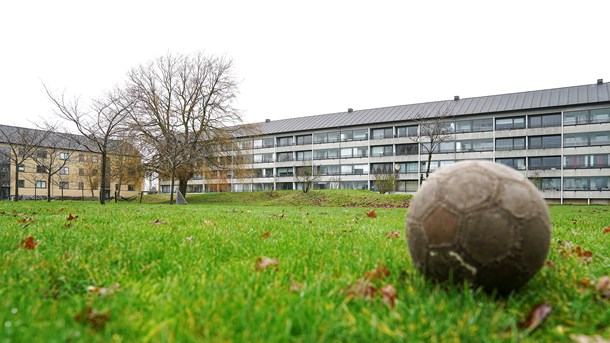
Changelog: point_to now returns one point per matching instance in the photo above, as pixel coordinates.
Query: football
(480, 222)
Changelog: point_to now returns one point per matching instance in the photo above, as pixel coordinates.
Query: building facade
(559, 138)
(69, 170)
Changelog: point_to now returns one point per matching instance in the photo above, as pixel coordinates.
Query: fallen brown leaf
(536, 317)
(93, 318)
(158, 222)
(588, 339)
(29, 243)
(372, 214)
(378, 273)
(607, 230)
(264, 262)
(362, 289)
(104, 291)
(393, 234)
(71, 217)
(603, 286)
(549, 264)
(266, 235)
(388, 292)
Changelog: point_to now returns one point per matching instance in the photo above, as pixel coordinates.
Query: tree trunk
(16, 182)
(428, 166)
(103, 180)
(171, 190)
(182, 186)
(49, 187)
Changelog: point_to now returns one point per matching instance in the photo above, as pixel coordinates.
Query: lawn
(238, 271)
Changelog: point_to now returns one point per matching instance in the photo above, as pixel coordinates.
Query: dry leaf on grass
(266, 235)
(29, 243)
(536, 317)
(158, 222)
(388, 293)
(265, 262)
(372, 214)
(393, 234)
(93, 318)
(379, 273)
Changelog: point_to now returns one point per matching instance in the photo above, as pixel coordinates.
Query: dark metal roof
(15, 134)
(549, 98)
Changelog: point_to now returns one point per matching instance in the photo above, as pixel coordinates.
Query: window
(354, 152)
(64, 185)
(601, 115)
(81, 171)
(406, 131)
(326, 137)
(64, 156)
(434, 165)
(544, 162)
(408, 167)
(284, 156)
(81, 157)
(329, 170)
(382, 150)
(325, 154)
(544, 142)
(595, 183)
(41, 154)
(262, 158)
(549, 184)
(284, 141)
(443, 147)
(382, 133)
(361, 169)
(21, 168)
(304, 155)
(347, 169)
(407, 186)
(287, 171)
(476, 125)
(515, 163)
(41, 184)
(382, 168)
(64, 171)
(21, 152)
(94, 159)
(406, 149)
(510, 123)
(576, 139)
(81, 186)
(41, 169)
(303, 140)
(514, 143)
(354, 135)
(262, 143)
(21, 183)
(586, 161)
(544, 120)
(474, 145)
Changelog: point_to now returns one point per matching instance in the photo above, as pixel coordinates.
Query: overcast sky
(304, 58)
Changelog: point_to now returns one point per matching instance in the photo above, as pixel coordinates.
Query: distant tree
(184, 113)
(22, 143)
(385, 180)
(306, 175)
(433, 130)
(125, 166)
(101, 124)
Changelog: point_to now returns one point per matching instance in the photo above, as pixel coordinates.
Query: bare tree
(385, 180)
(306, 175)
(125, 166)
(22, 144)
(433, 130)
(184, 112)
(101, 124)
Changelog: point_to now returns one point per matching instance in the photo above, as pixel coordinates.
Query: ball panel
(440, 226)
(472, 190)
(426, 198)
(516, 197)
(418, 246)
(534, 233)
(488, 235)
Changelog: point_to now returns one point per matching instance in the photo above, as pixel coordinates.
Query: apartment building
(75, 170)
(559, 138)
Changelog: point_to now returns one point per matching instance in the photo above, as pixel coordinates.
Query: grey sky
(305, 58)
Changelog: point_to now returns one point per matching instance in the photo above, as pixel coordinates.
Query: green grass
(193, 276)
